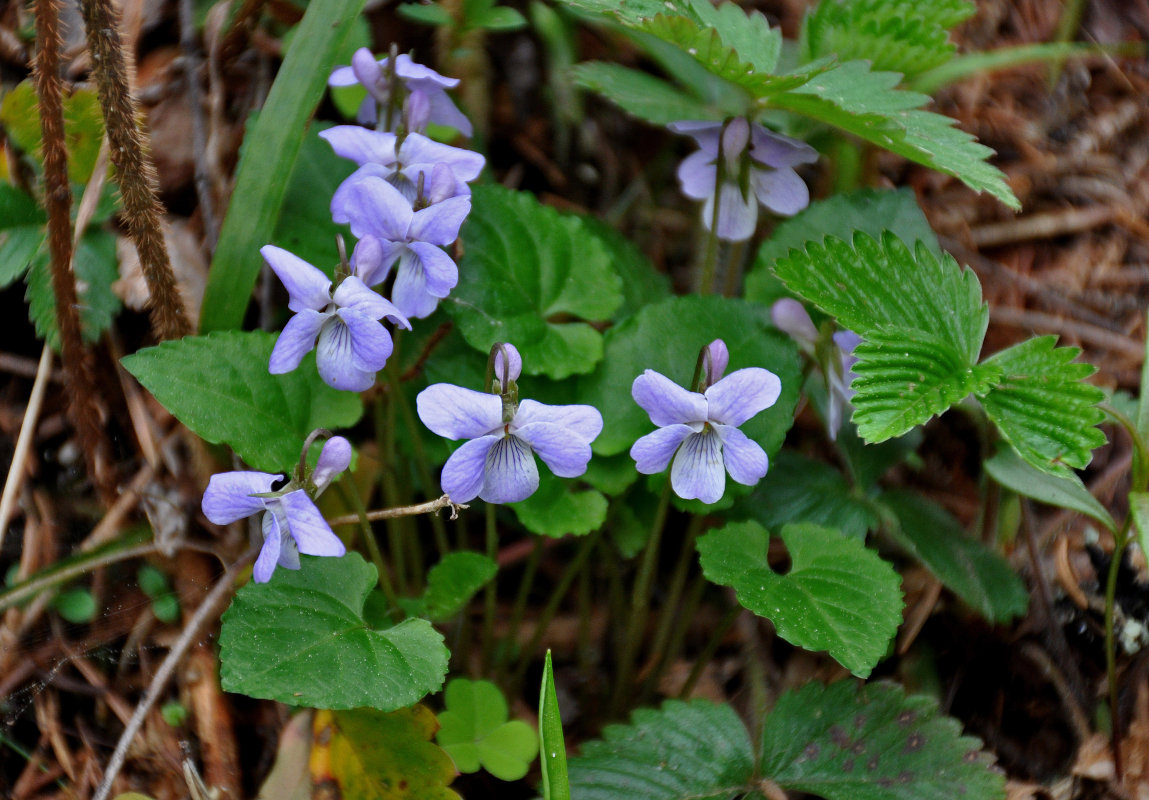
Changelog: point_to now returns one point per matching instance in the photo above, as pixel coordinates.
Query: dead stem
(58, 203)
(134, 172)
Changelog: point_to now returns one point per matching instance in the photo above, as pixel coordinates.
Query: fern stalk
(58, 203)
(134, 172)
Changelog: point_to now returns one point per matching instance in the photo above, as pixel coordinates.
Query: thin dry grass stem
(134, 172)
(58, 203)
(15, 477)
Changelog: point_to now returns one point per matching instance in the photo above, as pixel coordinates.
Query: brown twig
(430, 507)
(134, 172)
(58, 203)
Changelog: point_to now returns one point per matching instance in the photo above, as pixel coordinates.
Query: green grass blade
(552, 748)
(271, 146)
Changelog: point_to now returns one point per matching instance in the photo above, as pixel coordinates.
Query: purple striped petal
(371, 344)
(440, 274)
(510, 472)
(666, 402)
(228, 495)
(457, 413)
(307, 286)
(651, 453)
(409, 292)
(566, 455)
(745, 460)
(296, 340)
(463, 473)
(697, 472)
(737, 214)
(742, 394)
(335, 360)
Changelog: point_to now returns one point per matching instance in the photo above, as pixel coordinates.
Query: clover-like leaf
(450, 585)
(1064, 491)
(838, 596)
(681, 751)
(475, 732)
(558, 509)
(872, 742)
(666, 337)
(371, 755)
(536, 278)
(218, 385)
(976, 574)
(1043, 406)
(301, 639)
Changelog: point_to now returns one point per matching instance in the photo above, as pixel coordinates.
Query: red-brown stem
(134, 172)
(58, 203)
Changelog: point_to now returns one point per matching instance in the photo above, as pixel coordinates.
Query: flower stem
(710, 260)
(490, 595)
(639, 603)
(526, 583)
(734, 263)
(710, 649)
(385, 432)
(1119, 544)
(671, 609)
(350, 495)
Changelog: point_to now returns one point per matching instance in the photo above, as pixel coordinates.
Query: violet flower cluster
(738, 166)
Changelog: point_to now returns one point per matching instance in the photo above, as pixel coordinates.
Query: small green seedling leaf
(76, 605)
(475, 732)
(450, 585)
(552, 747)
(281, 640)
(1064, 491)
(872, 742)
(174, 714)
(218, 385)
(154, 584)
(535, 277)
(838, 596)
(976, 574)
(683, 750)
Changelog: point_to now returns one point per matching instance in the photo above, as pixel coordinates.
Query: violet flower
(497, 464)
(835, 361)
(401, 162)
(699, 430)
(377, 211)
(291, 523)
(426, 101)
(755, 165)
(351, 345)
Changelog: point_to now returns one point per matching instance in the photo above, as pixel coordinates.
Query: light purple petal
(776, 150)
(374, 207)
(342, 195)
(342, 76)
(443, 185)
(295, 341)
(369, 72)
(463, 473)
(269, 553)
(228, 495)
(737, 215)
(697, 471)
(513, 367)
(308, 528)
(288, 553)
(780, 190)
(665, 401)
(440, 274)
(333, 459)
(791, 317)
(367, 257)
(847, 341)
(457, 413)
(510, 473)
(335, 359)
(566, 455)
(719, 358)
(651, 453)
(445, 112)
(735, 137)
(742, 394)
(354, 295)
(582, 421)
(417, 76)
(419, 151)
(417, 110)
(361, 145)
(704, 132)
(307, 286)
(371, 344)
(409, 292)
(390, 254)
(745, 460)
(439, 223)
(697, 175)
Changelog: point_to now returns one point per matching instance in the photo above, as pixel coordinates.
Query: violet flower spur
(291, 523)
(376, 210)
(739, 166)
(426, 101)
(699, 430)
(834, 358)
(351, 345)
(497, 464)
(401, 162)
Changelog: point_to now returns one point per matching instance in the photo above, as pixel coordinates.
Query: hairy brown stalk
(58, 203)
(134, 172)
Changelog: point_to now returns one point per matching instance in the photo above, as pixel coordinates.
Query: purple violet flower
(496, 464)
(401, 163)
(377, 211)
(427, 100)
(291, 523)
(757, 166)
(700, 430)
(352, 346)
(835, 362)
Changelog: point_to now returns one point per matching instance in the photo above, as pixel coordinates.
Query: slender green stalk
(671, 612)
(1119, 544)
(1141, 440)
(710, 260)
(490, 596)
(350, 495)
(118, 550)
(678, 635)
(639, 604)
(525, 585)
(585, 607)
(734, 265)
(709, 650)
(552, 605)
